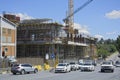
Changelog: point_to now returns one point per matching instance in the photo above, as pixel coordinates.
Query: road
(73, 75)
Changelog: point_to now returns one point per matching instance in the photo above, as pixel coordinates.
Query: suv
(87, 66)
(107, 66)
(23, 68)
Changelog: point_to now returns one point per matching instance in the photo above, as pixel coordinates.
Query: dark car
(23, 68)
(117, 63)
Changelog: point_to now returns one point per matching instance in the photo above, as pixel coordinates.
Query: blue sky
(101, 18)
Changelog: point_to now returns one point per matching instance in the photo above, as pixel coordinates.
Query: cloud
(62, 33)
(111, 33)
(23, 16)
(82, 29)
(113, 15)
(98, 36)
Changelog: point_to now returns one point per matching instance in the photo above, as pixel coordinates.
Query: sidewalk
(5, 70)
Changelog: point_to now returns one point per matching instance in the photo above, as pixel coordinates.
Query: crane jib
(78, 9)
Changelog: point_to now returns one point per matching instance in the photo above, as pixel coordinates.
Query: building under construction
(37, 38)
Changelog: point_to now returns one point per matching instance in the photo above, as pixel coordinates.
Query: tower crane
(69, 19)
(69, 22)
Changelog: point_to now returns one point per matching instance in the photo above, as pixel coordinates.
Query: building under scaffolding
(38, 37)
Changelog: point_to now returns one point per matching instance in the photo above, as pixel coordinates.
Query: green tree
(105, 48)
(102, 51)
(118, 43)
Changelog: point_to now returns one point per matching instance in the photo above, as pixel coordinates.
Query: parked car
(107, 66)
(73, 66)
(23, 68)
(117, 63)
(63, 67)
(87, 66)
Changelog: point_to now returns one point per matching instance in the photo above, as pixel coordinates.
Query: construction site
(40, 37)
(41, 40)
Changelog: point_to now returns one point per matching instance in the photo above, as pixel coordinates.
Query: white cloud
(82, 29)
(62, 34)
(98, 36)
(113, 15)
(23, 16)
(111, 33)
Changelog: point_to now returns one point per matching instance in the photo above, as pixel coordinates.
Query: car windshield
(72, 63)
(87, 63)
(117, 62)
(80, 63)
(106, 62)
(61, 64)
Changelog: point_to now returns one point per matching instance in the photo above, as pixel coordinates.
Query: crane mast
(70, 12)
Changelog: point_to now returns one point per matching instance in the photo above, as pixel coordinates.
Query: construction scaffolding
(36, 39)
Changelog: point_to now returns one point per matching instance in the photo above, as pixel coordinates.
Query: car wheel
(14, 73)
(102, 71)
(22, 72)
(69, 70)
(112, 71)
(35, 71)
(74, 69)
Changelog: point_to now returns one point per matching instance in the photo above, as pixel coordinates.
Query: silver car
(23, 68)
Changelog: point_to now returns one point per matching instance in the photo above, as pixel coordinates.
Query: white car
(73, 66)
(63, 67)
(87, 66)
(107, 66)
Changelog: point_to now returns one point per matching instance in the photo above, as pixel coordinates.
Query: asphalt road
(73, 75)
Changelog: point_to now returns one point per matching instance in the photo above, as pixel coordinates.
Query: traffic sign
(52, 55)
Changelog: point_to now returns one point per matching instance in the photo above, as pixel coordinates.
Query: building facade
(7, 38)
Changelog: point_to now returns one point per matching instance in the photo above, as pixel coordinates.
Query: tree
(105, 48)
(102, 51)
(118, 43)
